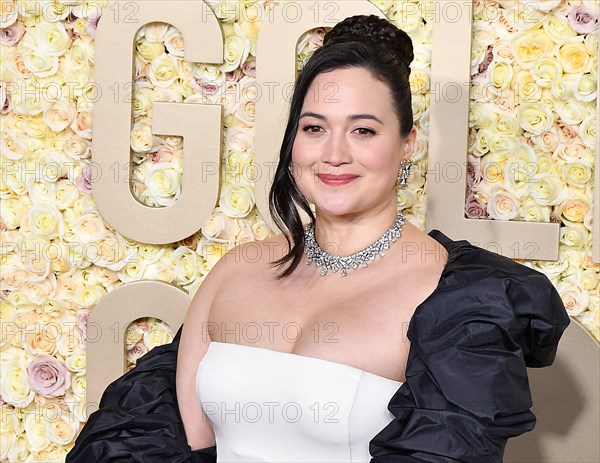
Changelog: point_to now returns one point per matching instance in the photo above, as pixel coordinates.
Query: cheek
(301, 153)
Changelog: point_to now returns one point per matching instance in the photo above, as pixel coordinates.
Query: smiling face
(348, 147)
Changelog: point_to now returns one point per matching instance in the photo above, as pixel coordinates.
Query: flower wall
(532, 140)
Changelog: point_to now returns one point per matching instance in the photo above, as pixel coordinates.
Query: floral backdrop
(532, 141)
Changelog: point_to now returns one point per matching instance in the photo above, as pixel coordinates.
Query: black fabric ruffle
(466, 389)
(138, 418)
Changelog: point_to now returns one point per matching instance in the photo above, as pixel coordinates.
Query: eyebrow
(351, 117)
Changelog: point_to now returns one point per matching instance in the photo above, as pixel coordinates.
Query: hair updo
(361, 41)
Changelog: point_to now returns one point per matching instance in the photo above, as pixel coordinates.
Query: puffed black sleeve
(466, 390)
(138, 418)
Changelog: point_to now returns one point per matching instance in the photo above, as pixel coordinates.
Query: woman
(280, 361)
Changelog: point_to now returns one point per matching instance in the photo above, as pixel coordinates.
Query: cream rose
(502, 205)
(61, 430)
(14, 387)
(574, 210)
(211, 251)
(60, 115)
(76, 362)
(163, 71)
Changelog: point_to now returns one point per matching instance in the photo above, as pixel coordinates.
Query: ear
(409, 141)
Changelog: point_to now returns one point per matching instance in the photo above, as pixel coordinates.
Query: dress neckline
(300, 356)
(451, 246)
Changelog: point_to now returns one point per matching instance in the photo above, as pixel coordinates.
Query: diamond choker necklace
(323, 259)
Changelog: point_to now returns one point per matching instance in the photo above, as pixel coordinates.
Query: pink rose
(583, 19)
(137, 351)
(474, 174)
(474, 207)
(249, 68)
(12, 34)
(48, 376)
(84, 180)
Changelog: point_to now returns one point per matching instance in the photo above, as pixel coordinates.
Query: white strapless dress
(270, 406)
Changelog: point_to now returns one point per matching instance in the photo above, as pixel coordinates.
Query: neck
(342, 235)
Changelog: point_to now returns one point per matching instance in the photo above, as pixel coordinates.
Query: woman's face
(348, 147)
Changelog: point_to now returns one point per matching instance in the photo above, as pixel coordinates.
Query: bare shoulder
(421, 248)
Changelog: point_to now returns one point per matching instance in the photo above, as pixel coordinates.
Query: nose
(336, 150)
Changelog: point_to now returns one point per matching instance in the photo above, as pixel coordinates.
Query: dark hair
(360, 41)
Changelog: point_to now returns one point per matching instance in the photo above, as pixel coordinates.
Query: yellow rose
(236, 49)
(237, 200)
(158, 335)
(89, 296)
(52, 38)
(185, 263)
(525, 88)
(558, 27)
(163, 182)
(37, 433)
(577, 174)
(531, 46)
(149, 50)
(574, 235)
(585, 86)
(590, 279)
(574, 55)
(163, 71)
(132, 271)
(14, 385)
(39, 63)
(45, 220)
(535, 118)
(12, 212)
(214, 226)
(211, 251)
(546, 71)
(531, 212)
(141, 138)
(521, 18)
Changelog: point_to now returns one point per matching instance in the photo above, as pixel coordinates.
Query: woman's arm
(192, 347)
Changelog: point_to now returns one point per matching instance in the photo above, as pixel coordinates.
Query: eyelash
(307, 128)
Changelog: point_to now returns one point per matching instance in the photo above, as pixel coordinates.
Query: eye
(308, 128)
(366, 131)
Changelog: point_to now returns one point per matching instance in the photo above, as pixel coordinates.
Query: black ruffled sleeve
(138, 418)
(466, 390)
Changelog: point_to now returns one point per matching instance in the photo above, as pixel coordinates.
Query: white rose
(574, 296)
(35, 428)
(236, 49)
(548, 190)
(574, 235)
(237, 200)
(587, 131)
(571, 112)
(52, 38)
(535, 118)
(163, 182)
(585, 87)
(186, 265)
(532, 212)
(141, 138)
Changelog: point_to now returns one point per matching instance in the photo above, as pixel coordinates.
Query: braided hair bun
(375, 31)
